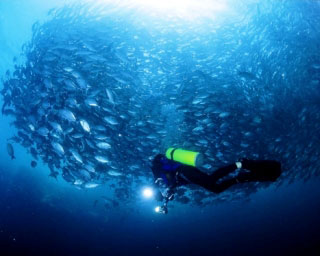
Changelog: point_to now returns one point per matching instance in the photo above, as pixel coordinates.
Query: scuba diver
(178, 168)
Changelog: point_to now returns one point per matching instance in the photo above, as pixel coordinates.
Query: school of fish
(100, 94)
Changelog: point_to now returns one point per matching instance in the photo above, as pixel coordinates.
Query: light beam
(184, 9)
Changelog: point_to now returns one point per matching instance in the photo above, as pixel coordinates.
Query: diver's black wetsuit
(175, 174)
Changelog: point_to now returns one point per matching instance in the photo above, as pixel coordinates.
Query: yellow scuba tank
(184, 156)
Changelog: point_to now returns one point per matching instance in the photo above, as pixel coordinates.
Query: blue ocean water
(226, 78)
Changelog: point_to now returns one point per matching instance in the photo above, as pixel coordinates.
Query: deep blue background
(280, 222)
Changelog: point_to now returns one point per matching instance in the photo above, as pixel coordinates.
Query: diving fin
(264, 170)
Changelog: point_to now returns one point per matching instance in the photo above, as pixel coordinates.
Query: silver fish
(57, 148)
(103, 145)
(43, 131)
(111, 120)
(110, 96)
(31, 127)
(224, 114)
(76, 156)
(90, 168)
(91, 102)
(10, 150)
(77, 135)
(91, 185)
(85, 125)
(56, 127)
(114, 173)
(67, 115)
(78, 182)
(102, 159)
(100, 137)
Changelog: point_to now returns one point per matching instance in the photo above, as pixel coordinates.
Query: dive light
(161, 209)
(148, 192)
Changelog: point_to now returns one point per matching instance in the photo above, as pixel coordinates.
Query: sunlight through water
(189, 10)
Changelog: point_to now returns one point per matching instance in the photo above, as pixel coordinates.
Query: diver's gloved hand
(167, 192)
(167, 195)
(159, 182)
